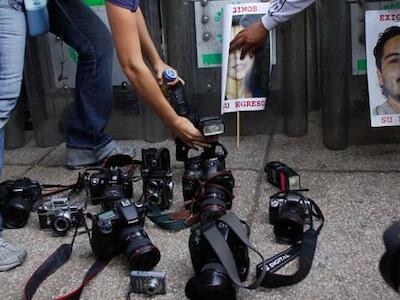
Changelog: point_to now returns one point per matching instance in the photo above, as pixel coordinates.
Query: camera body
(208, 171)
(121, 230)
(157, 179)
(60, 215)
(149, 283)
(211, 277)
(109, 185)
(289, 212)
(16, 200)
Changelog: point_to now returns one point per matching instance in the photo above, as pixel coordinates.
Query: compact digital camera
(149, 283)
(121, 230)
(60, 215)
(157, 179)
(289, 212)
(16, 200)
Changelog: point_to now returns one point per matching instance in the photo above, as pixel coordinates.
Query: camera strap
(304, 250)
(171, 221)
(222, 250)
(57, 259)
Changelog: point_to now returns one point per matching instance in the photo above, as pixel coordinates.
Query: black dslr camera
(148, 283)
(121, 230)
(389, 265)
(109, 185)
(60, 215)
(212, 280)
(16, 200)
(207, 185)
(289, 212)
(157, 177)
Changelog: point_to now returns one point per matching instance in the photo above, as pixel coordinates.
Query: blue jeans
(83, 30)
(12, 50)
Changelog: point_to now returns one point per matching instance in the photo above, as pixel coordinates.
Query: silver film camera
(149, 283)
(60, 215)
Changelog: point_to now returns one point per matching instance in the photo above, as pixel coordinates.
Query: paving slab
(309, 153)
(358, 207)
(27, 155)
(13, 172)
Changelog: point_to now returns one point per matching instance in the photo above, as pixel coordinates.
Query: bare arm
(124, 26)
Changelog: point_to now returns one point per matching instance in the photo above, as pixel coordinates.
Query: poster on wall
(241, 87)
(382, 30)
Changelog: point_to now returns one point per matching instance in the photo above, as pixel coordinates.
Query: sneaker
(11, 255)
(78, 159)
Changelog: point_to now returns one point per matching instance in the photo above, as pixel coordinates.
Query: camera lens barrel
(16, 212)
(140, 251)
(213, 283)
(61, 223)
(289, 227)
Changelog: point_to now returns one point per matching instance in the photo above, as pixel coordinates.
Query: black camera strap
(304, 250)
(222, 250)
(57, 259)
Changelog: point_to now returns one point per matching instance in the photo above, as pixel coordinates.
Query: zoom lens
(140, 251)
(212, 283)
(16, 212)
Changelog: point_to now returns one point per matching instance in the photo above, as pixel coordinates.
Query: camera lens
(61, 223)
(212, 283)
(16, 212)
(111, 194)
(139, 249)
(289, 227)
(213, 205)
(153, 188)
(152, 286)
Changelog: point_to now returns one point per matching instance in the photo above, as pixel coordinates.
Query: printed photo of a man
(387, 59)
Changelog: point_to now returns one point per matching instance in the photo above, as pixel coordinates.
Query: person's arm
(254, 36)
(150, 51)
(124, 26)
(282, 11)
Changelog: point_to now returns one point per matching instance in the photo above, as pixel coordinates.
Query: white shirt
(283, 10)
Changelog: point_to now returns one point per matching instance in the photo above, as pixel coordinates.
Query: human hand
(159, 68)
(249, 39)
(190, 135)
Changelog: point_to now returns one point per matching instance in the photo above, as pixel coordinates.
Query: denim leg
(1, 167)
(12, 50)
(83, 30)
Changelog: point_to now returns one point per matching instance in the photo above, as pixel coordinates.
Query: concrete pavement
(357, 190)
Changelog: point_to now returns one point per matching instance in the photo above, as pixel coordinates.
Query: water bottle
(37, 17)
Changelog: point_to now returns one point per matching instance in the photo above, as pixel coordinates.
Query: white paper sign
(382, 30)
(240, 90)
